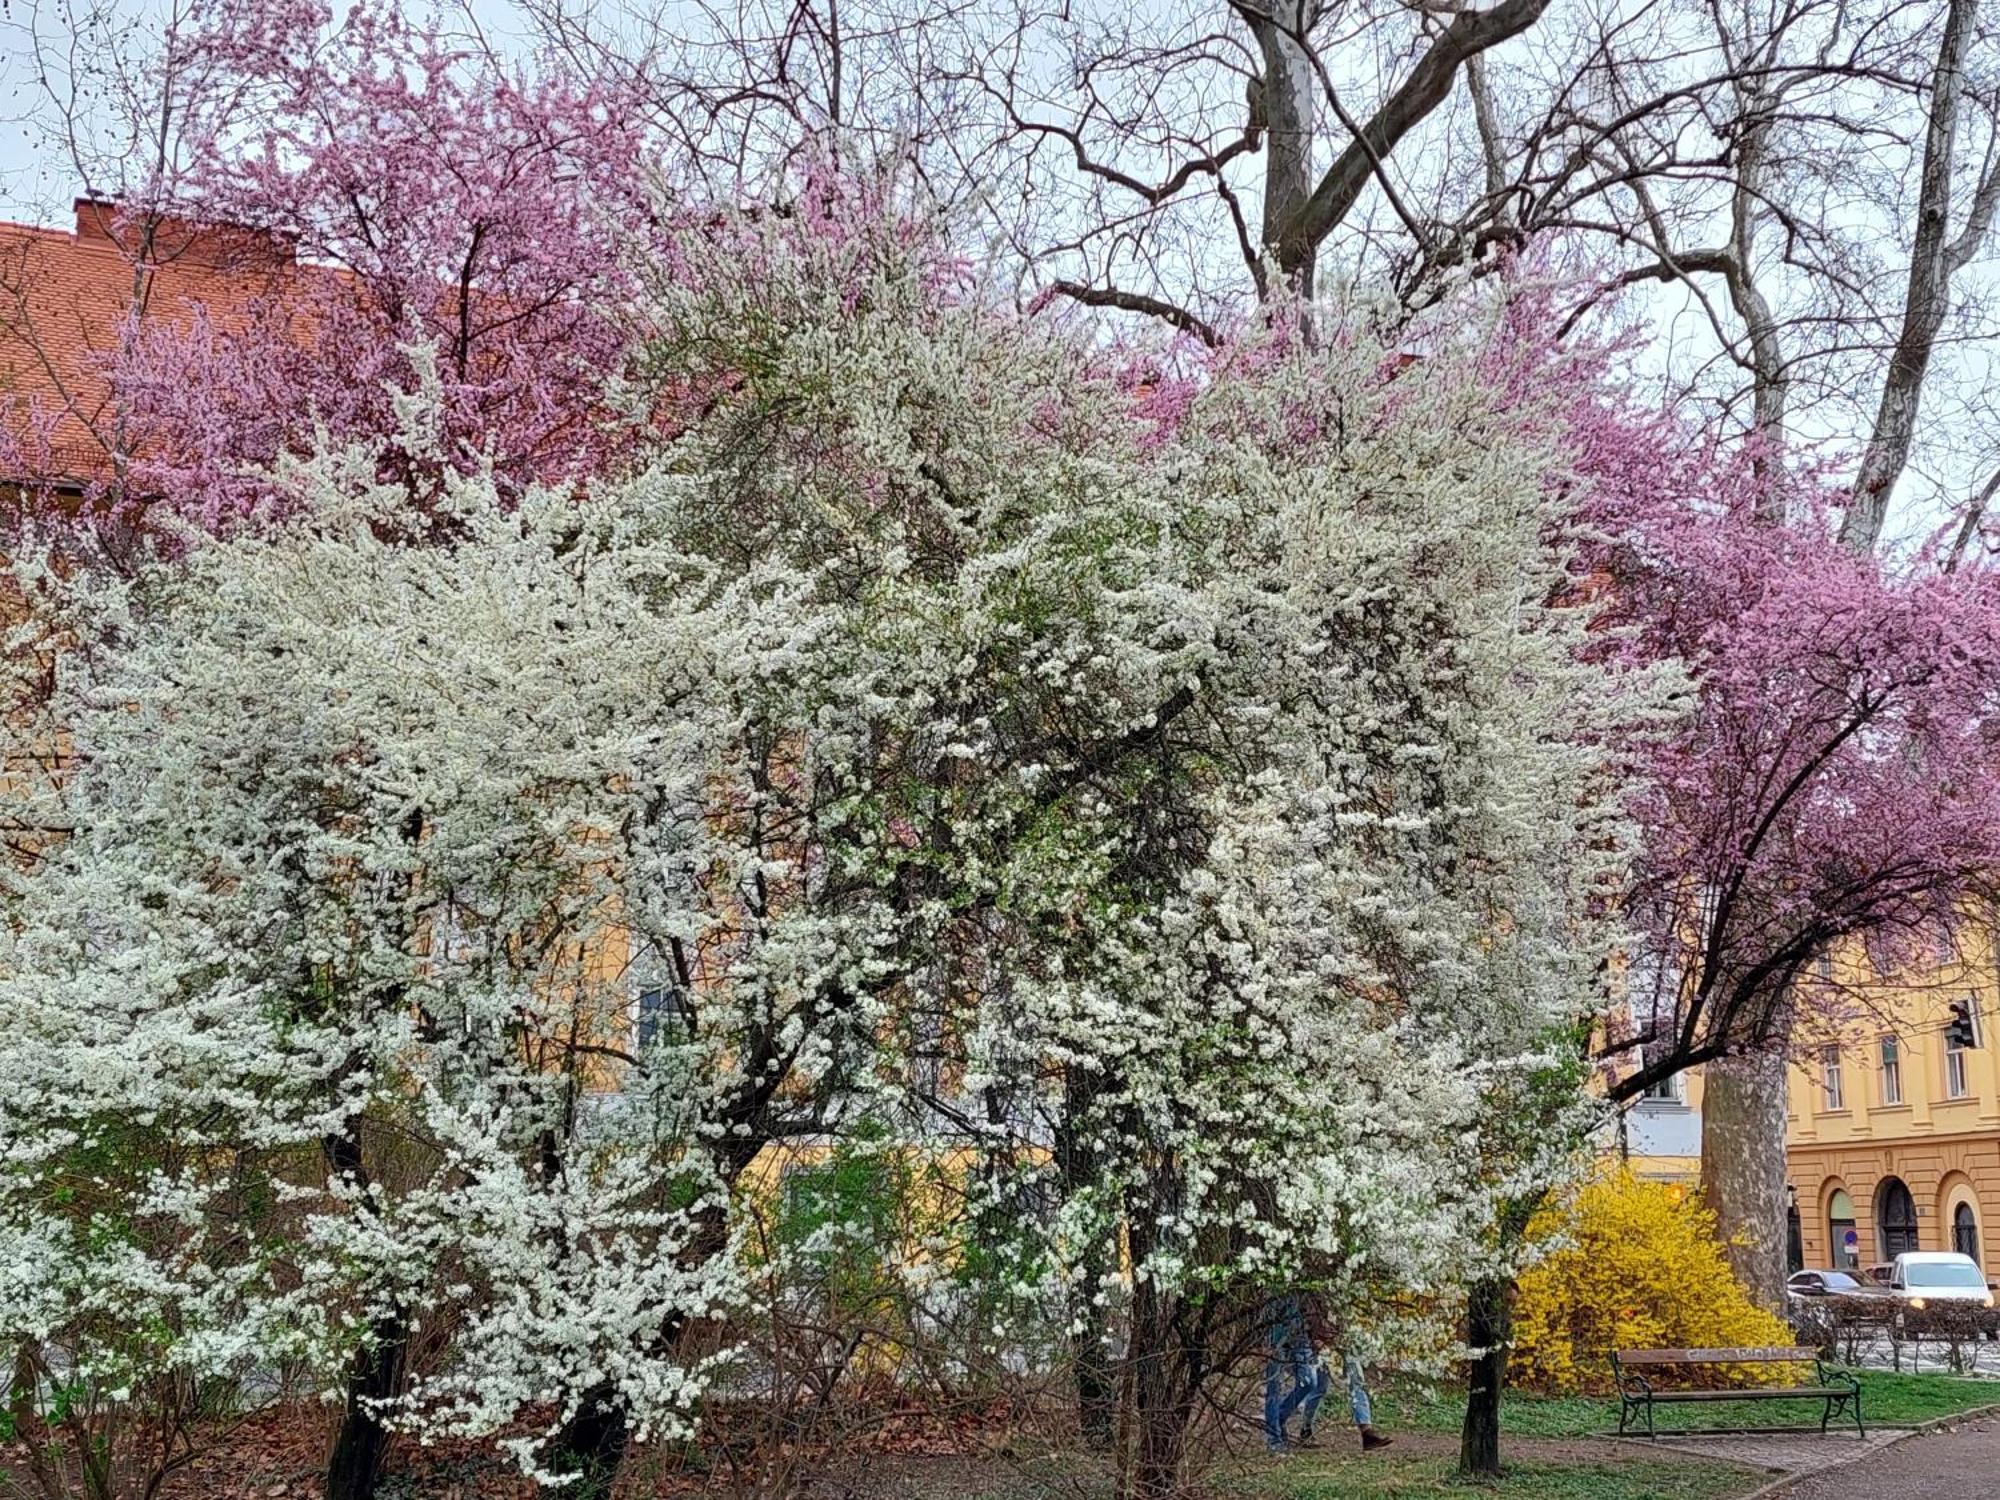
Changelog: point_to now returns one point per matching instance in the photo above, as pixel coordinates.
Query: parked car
(1823, 1284)
(1879, 1273)
(1924, 1277)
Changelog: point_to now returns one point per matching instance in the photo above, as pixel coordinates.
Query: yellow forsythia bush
(1639, 1266)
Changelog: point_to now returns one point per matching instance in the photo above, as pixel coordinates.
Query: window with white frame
(1955, 1083)
(1892, 1071)
(1834, 1096)
(1664, 1091)
(1954, 1073)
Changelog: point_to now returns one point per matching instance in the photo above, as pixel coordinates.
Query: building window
(1665, 1091)
(657, 1004)
(1965, 1231)
(1829, 1067)
(1955, 1086)
(1895, 1218)
(1843, 1243)
(1892, 1071)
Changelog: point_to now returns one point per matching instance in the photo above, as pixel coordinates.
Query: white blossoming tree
(1354, 899)
(439, 914)
(366, 853)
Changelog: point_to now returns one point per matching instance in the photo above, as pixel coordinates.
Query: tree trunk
(1743, 1168)
(1934, 258)
(355, 1466)
(1090, 1360)
(1162, 1405)
(1489, 1325)
(1290, 100)
(592, 1445)
(1090, 1363)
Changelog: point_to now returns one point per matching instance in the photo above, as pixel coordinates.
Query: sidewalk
(1782, 1453)
(1953, 1463)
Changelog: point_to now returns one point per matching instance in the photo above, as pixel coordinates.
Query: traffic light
(1958, 1031)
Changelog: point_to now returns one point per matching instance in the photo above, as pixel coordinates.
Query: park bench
(1836, 1390)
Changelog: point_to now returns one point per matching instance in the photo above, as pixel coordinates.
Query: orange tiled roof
(65, 294)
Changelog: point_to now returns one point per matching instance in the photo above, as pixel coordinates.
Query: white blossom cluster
(918, 702)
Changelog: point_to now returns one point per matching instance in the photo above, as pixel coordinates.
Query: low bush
(1630, 1265)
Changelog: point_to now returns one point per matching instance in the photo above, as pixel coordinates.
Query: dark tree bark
(1489, 1325)
(1091, 1365)
(592, 1445)
(1489, 1328)
(354, 1468)
(1091, 1369)
(1162, 1399)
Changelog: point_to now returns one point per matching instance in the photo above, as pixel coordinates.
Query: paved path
(1958, 1463)
(1779, 1453)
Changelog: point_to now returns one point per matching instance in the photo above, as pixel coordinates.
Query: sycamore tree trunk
(1743, 1168)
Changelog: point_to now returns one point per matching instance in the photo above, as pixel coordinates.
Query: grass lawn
(1559, 1455)
(1887, 1400)
(1418, 1477)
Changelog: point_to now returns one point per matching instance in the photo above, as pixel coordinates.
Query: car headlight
(1985, 1301)
(1916, 1302)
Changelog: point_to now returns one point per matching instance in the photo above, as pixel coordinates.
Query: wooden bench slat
(1637, 1398)
(1770, 1355)
(1752, 1393)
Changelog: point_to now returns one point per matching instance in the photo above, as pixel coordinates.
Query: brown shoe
(1371, 1440)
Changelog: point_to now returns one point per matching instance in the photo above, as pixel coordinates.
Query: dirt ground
(277, 1455)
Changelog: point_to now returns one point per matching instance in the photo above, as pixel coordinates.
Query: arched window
(1965, 1231)
(1895, 1218)
(1843, 1252)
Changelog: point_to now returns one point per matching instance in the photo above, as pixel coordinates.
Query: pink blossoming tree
(417, 217)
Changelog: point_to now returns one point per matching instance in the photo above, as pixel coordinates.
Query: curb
(1935, 1424)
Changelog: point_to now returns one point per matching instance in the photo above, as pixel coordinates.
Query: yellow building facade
(1894, 1110)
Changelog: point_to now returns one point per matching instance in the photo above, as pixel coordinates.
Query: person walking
(1321, 1331)
(1289, 1354)
(1299, 1330)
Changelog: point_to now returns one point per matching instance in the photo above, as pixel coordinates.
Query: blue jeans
(1310, 1382)
(1357, 1392)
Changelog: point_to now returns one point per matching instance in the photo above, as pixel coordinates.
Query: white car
(1926, 1277)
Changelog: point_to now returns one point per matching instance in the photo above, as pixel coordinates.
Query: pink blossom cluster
(442, 211)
